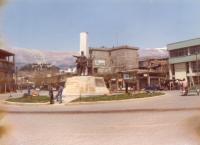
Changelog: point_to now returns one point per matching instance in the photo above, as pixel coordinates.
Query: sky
(56, 24)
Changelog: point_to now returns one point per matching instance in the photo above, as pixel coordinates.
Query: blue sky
(56, 24)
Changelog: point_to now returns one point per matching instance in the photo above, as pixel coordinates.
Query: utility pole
(197, 69)
(16, 77)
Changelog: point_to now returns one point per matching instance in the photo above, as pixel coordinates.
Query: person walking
(59, 94)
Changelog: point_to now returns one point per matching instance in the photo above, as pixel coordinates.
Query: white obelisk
(84, 43)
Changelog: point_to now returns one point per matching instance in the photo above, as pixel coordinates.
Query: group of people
(58, 96)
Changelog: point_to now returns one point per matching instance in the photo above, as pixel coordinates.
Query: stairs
(68, 99)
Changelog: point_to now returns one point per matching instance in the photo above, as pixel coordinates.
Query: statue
(89, 66)
(81, 64)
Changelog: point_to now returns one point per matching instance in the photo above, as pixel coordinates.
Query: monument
(84, 84)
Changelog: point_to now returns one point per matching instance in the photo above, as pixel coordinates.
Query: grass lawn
(116, 97)
(30, 99)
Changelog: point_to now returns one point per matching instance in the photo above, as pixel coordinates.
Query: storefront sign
(100, 62)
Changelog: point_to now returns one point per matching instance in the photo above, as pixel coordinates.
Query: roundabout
(45, 100)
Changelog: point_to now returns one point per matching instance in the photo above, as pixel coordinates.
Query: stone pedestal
(85, 86)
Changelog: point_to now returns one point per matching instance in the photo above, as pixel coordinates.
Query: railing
(158, 70)
(6, 66)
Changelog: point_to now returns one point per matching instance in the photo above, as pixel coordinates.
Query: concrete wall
(180, 71)
(124, 59)
(101, 61)
(183, 44)
(184, 59)
(115, 60)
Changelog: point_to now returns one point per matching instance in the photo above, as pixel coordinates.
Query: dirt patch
(193, 126)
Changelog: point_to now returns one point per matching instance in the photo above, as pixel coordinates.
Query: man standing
(185, 87)
(29, 90)
(51, 95)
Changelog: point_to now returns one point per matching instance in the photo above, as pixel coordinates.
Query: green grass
(117, 97)
(30, 99)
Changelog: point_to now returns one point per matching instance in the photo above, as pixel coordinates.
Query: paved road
(166, 120)
(169, 128)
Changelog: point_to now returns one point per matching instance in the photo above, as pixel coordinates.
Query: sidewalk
(12, 94)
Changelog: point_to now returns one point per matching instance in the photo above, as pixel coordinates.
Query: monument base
(85, 86)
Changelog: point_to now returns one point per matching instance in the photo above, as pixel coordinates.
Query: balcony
(6, 66)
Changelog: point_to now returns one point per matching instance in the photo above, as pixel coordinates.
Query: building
(113, 60)
(7, 69)
(184, 60)
(151, 72)
(124, 65)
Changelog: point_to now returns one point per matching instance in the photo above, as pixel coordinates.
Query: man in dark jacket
(51, 95)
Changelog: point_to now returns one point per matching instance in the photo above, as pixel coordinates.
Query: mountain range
(64, 59)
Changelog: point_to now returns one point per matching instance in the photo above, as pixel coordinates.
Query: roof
(5, 53)
(141, 71)
(183, 44)
(115, 48)
(152, 58)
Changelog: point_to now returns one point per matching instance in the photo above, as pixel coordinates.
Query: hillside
(64, 59)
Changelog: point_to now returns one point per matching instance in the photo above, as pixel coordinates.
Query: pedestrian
(185, 87)
(29, 90)
(60, 90)
(51, 95)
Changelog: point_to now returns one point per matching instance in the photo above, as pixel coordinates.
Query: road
(166, 120)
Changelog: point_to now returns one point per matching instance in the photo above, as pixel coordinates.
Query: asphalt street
(168, 120)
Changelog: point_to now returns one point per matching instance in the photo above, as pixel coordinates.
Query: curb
(76, 103)
(147, 110)
(22, 104)
(111, 101)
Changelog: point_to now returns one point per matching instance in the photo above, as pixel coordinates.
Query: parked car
(153, 88)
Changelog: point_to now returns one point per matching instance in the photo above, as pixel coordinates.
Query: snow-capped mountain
(65, 59)
(145, 53)
(57, 58)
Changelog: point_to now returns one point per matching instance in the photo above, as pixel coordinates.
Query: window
(195, 66)
(187, 67)
(196, 80)
(179, 52)
(173, 69)
(194, 49)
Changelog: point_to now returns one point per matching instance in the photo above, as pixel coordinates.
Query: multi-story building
(153, 72)
(184, 60)
(113, 60)
(7, 69)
